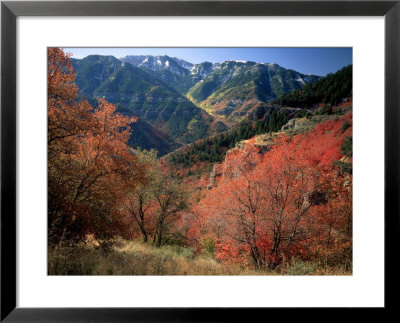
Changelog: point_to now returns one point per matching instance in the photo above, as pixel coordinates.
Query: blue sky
(307, 60)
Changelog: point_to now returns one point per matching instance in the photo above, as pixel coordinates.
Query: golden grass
(136, 258)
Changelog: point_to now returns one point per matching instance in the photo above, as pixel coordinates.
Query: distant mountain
(92, 71)
(235, 87)
(157, 63)
(139, 93)
(179, 102)
(176, 72)
(203, 69)
(228, 89)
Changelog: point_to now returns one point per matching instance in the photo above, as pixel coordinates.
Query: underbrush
(298, 267)
(136, 258)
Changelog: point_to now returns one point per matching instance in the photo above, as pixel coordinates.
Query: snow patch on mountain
(300, 80)
(160, 62)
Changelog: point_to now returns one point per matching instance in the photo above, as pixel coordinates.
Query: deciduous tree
(89, 162)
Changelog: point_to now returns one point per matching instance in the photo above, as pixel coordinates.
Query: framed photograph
(195, 162)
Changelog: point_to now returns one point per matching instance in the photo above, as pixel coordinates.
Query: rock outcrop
(296, 123)
(215, 173)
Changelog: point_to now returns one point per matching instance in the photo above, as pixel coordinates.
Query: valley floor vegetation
(270, 197)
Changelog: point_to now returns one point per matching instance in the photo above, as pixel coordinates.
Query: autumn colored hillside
(291, 201)
(272, 195)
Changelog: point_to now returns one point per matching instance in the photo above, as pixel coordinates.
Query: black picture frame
(10, 10)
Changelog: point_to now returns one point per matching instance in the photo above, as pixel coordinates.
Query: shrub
(208, 246)
(347, 147)
(345, 126)
(300, 268)
(326, 110)
(344, 167)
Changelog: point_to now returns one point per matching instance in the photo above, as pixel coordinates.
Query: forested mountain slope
(235, 87)
(331, 89)
(138, 93)
(178, 102)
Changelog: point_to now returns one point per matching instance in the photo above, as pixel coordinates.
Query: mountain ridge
(184, 101)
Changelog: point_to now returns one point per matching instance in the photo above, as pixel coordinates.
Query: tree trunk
(144, 235)
(256, 257)
(159, 238)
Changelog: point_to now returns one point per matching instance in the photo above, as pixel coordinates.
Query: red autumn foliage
(289, 202)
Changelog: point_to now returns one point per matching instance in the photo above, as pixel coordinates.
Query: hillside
(145, 136)
(92, 71)
(213, 149)
(331, 89)
(266, 121)
(233, 88)
(140, 94)
(177, 73)
(195, 161)
(179, 102)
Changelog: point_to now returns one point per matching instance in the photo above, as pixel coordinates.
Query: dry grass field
(136, 258)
